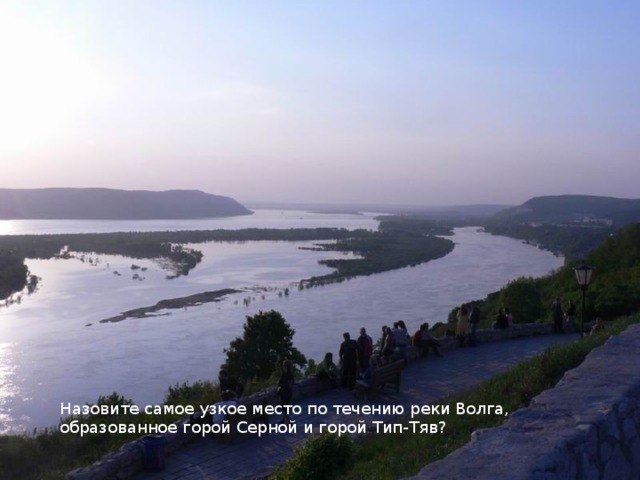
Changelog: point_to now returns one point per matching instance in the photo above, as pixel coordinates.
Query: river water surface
(53, 348)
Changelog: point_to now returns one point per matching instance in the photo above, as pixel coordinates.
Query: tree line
(382, 250)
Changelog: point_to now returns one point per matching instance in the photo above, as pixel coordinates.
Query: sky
(430, 102)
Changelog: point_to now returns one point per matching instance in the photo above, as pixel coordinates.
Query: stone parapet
(587, 427)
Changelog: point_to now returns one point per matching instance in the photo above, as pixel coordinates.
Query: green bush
(322, 457)
(523, 298)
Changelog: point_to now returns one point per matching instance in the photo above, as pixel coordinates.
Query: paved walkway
(424, 382)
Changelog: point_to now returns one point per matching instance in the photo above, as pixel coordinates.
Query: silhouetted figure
(474, 320)
(462, 325)
(349, 360)
(328, 370)
(228, 382)
(365, 349)
(501, 322)
(558, 316)
(388, 346)
(400, 338)
(570, 317)
(597, 327)
(285, 388)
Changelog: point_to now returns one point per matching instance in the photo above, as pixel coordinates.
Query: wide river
(53, 348)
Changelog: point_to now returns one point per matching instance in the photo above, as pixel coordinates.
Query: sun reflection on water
(7, 227)
(8, 389)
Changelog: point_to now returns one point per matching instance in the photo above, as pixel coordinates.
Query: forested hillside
(108, 204)
(574, 209)
(571, 225)
(614, 290)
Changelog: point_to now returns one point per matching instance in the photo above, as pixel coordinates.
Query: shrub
(523, 299)
(322, 457)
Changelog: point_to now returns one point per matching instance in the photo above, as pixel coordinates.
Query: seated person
(227, 398)
(327, 369)
(502, 322)
(365, 380)
(424, 340)
(598, 326)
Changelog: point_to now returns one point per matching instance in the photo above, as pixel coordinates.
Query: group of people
(564, 320)
(395, 340)
(467, 320)
(503, 320)
(359, 358)
(355, 357)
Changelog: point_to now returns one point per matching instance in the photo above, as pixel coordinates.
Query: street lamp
(583, 275)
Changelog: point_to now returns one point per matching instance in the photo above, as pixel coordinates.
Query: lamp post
(583, 275)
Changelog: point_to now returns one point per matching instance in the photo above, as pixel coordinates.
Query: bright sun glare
(7, 227)
(44, 86)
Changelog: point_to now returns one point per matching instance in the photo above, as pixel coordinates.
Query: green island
(172, 303)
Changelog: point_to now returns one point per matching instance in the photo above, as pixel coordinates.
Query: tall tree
(267, 340)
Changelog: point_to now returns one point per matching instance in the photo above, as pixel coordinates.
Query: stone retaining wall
(128, 460)
(587, 427)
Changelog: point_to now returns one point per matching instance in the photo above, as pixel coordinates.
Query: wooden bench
(381, 377)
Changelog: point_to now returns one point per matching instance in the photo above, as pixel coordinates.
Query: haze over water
(49, 355)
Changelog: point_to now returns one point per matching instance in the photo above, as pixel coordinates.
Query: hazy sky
(405, 102)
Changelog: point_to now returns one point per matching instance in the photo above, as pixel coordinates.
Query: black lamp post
(583, 275)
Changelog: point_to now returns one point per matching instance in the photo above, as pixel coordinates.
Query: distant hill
(109, 204)
(574, 209)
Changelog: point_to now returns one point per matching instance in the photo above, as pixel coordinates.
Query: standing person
(462, 325)
(388, 346)
(474, 320)
(570, 317)
(507, 312)
(400, 339)
(558, 316)
(365, 349)
(349, 359)
(403, 326)
(285, 389)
